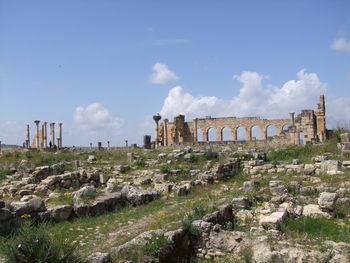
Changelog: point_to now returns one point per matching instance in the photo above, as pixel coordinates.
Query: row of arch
(239, 134)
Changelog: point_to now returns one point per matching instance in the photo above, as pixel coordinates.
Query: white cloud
(95, 117)
(253, 99)
(341, 44)
(162, 74)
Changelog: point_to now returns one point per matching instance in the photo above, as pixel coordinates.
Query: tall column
(195, 128)
(42, 141)
(37, 134)
(60, 134)
(166, 143)
(108, 144)
(157, 118)
(45, 134)
(292, 117)
(0, 146)
(52, 134)
(248, 134)
(58, 143)
(234, 134)
(27, 137)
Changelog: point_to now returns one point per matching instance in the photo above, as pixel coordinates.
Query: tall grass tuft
(33, 244)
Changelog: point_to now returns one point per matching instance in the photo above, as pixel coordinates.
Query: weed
(154, 244)
(33, 244)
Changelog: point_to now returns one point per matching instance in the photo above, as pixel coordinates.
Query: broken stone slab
(313, 210)
(99, 257)
(274, 220)
(21, 208)
(320, 158)
(331, 166)
(112, 201)
(277, 188)
(136, 196)
(84, 191)
(103, 178)
(327, 201)
(38, 204)
(81, 209)
(97, 208)
(241, 202)
(61, 212)
(345, 137)
(142, 180)
(91, 159)
(250, 186)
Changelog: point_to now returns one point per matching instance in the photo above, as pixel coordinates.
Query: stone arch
(200, 137)
(226, 134)
(211, 134)
(256, 132)
(271, 130)
(241, 132)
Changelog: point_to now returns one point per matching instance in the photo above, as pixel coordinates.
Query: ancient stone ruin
(40, 138)
(307, 127)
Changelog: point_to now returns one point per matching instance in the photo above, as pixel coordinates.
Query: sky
(103, 68)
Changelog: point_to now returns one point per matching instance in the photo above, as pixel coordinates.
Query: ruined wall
(309, 124)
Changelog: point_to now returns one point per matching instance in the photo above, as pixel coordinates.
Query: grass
(4, 173)
(33, 244)
(318, 228)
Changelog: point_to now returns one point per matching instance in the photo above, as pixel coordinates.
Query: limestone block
(21, 208)
(315, 211)
(103, 178)
(241, 202)
(5, 214)
(99, 257)
(274, 220)
(61, 213)
(331, 166)
(326, 201)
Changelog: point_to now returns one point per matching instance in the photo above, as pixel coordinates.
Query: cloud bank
(341, 44)
(254, 98)
(95, 117)
(162, 74)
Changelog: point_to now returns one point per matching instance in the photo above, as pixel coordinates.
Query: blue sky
(89, 63)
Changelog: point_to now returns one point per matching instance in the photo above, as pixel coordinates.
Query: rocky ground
(209, 204)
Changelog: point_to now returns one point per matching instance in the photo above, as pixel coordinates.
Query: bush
(154, 244)
(4, 173)
(33, 244)
(210, 155)
(165, 169)
(187, 226)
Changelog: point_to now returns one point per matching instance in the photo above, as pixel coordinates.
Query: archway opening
(301, 138)
(271, 130)
(226, 134)
(199, 135)
(256, 133)
(212, 135)
(285, 127)
(241, 133)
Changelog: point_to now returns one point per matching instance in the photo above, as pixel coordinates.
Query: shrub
(165, 169)
(33, 244)
(4, 173)
(154, 244)
(210, 155)
(247, 254)
(187, 226)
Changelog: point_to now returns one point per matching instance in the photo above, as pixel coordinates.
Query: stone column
(45, 134)
(234, 134)
(166, 143)
(108, 144)
(52, 133)
(60, 134)
(248, 134)
(195, 128)
(37, 134)
(42, 142)
(206, 135)
(126, 144)
(27, 137)
(291, 118)
(157, 118)
(264, 133)
(0, 146)
(219, 135)
(58, 143)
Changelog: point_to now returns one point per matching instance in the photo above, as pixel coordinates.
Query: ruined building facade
(309, 126)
